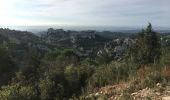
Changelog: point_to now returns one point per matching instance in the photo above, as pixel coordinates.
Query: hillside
(62, 64)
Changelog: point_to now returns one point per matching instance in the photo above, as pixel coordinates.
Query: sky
(85, 12)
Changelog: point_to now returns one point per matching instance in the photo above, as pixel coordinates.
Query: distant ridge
(37, 29)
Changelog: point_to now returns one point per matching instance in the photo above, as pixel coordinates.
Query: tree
(72, 76)
(47, 88)
(7, 66)
(17, 92)
(147, 47)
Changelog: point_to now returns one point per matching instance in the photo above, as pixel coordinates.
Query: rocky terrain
(117, 92)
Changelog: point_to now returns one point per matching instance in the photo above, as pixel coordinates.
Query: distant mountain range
(37, 29)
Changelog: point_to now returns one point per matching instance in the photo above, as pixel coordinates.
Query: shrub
(110, 74)
(17, 92)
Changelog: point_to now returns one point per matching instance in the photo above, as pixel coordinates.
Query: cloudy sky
(85, 12)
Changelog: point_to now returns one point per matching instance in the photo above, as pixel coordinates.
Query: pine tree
(147, 48)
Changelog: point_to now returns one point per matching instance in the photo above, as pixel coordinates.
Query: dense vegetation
(45, 68)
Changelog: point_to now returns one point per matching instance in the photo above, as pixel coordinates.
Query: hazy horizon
(132, 29)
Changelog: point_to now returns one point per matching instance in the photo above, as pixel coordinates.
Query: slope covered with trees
(89, 68)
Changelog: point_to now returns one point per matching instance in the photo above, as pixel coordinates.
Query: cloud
(86, 12)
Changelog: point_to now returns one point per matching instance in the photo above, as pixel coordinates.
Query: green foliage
(62, 73)
(7, 66)
(64, 56)
(147, 48)
(153, 79)
(89, 62)
(110, 74)
(71, 70)
(72, 76)
(104, 58)
(62, 77)
(31, 66)
(52, 56)
(17, 92)
(48, 90)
